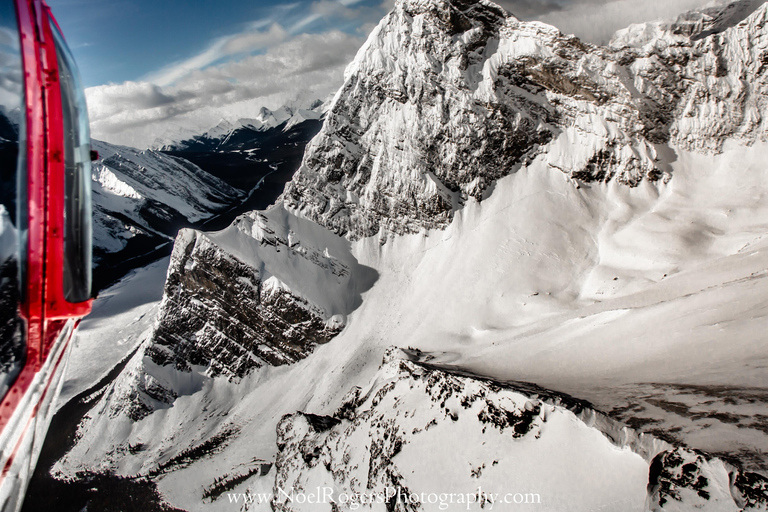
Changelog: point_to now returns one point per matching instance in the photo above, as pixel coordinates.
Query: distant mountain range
(244, 134)
(142, 198)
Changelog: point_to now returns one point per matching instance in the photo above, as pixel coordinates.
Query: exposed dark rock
(681, 476)
(216, 313)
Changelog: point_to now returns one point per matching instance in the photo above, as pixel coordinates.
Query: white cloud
(305, 67)
(249, 41)
(597, 21)
(305, 21)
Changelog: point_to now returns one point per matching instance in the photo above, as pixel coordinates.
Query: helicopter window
(12, 194)
(77, 161)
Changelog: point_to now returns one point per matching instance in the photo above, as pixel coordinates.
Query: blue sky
(158, 70)
(120, 40)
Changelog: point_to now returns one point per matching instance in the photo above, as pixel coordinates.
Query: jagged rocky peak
(512, 440)
(457, 16)
(702, 75)
(266, 291)
(446, 97)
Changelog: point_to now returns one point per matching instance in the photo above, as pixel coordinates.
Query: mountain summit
(446, 97)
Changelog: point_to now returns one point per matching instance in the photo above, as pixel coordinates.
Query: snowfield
(588, 312)
(492, 295)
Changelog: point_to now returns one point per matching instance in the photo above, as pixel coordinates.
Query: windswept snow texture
(516, 205)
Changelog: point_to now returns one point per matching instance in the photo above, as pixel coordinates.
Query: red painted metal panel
(56, 306)
(45, 307)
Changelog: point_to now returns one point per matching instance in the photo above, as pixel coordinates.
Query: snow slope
(618, 258)
(122, 317)
(492, 295)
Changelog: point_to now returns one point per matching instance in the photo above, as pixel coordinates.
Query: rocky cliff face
(703, 77)
(265, 291)
(12, 343)
(221, 313)
(446, 97)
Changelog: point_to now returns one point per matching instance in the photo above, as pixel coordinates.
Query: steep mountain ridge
(447, 97)
(509, 439)
(142, 198)
(595, 248)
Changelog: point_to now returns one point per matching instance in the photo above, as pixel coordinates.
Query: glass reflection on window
(12, 181)
(77, 161)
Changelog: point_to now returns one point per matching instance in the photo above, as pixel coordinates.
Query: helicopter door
(45, 207)
(45, 230)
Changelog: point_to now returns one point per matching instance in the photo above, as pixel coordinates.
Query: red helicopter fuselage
(45, 230)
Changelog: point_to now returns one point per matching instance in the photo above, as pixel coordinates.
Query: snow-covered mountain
(142, 198)
(246, 133)
(528, 213)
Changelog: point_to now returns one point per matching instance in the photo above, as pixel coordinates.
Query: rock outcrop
(419, 427)
(221, 313)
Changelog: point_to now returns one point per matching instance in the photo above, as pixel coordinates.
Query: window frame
(57, 307)
(77, 231)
